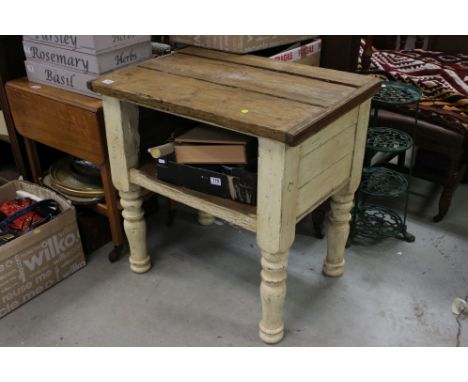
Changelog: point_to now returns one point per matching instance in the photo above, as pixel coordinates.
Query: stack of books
(208, 145)
(210, 160)
(70, 61)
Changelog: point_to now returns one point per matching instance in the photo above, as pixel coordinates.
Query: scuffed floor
(203, 290)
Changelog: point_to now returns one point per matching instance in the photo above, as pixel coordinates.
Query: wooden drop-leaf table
(311, 126)
(71, 123)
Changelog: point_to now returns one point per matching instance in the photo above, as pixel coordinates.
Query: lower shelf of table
(237, 213)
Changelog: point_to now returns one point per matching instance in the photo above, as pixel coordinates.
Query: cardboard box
(308, 54)
(238, 44)
(60, 77)
(232, 182)
(39, 259)
(88, 44)
(83, 62)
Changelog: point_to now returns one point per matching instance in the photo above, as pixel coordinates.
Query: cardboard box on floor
(238, 44)
(39, 259)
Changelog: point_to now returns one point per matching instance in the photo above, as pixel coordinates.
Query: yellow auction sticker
(244, 111)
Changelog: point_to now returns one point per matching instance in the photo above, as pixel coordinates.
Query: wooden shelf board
(237, 213)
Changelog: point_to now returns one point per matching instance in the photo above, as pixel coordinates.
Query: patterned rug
(443, 79)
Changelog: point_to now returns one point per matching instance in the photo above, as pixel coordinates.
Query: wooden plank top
(254, 95)
(67, 97)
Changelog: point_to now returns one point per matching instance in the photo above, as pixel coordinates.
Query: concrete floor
(203, 290)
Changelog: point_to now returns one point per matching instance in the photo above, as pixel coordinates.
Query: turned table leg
(342, 201)
(338, 232)
(278, 168)
(204, 218)
(273, 294)
(123, 141)
(135, 229)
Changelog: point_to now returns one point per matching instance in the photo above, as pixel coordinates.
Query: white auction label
(215, 181)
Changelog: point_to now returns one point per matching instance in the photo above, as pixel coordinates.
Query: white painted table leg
(338, 232)
(276, 222)
(273, 294)
(123, 141)
(205, 218)
(135, 229)
(342, 202)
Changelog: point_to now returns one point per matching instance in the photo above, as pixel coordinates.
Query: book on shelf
(207, 145)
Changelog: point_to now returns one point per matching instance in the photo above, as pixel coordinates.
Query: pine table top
(286, 102)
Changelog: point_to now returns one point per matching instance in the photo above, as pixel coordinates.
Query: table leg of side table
(123, 142)
(113, 213)
(276, 221)
(33, 157)
(338, 232)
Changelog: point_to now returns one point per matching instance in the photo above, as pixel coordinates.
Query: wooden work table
(311, 125)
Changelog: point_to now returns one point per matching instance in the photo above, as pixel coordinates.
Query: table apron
(326, 162)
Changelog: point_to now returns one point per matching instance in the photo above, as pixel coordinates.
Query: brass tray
(48, 182)
(65, 180)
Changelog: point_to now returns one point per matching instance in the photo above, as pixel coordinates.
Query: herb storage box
(60, 77)
(41, 258)
(98, 63)
(88, 44)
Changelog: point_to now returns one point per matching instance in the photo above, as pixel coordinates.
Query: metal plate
(47, 181)
(64, 179)
(380, 181)
(386, 139)
(396, 93)
(376, 222)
